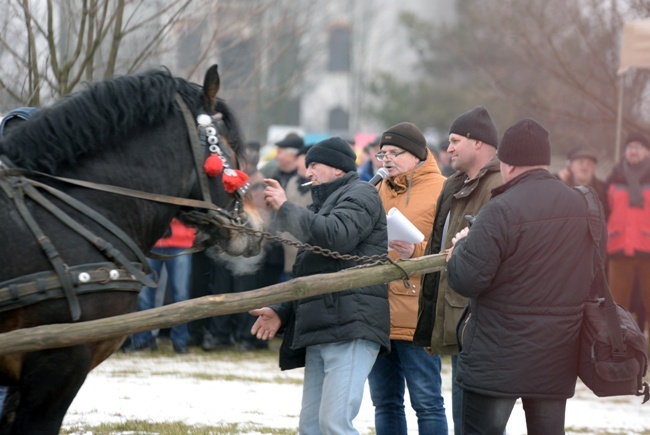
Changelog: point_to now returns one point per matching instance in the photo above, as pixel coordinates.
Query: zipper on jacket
(462, 333)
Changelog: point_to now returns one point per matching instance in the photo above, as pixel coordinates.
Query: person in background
(337, 336)
(473, 141)
(412, 187)
(227, 274)
(580, 170)
(13, 119)
(178, 238)
(444, 159)
(628, 247)
(287, 168)
(372, 164)
(298, 194)
(526, 264)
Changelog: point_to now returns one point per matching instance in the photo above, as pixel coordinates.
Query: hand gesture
(267, 324)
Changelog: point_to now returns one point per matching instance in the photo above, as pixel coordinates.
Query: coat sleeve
(349, 221)
(476, 258)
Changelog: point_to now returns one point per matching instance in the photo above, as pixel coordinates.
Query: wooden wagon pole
(69, 334)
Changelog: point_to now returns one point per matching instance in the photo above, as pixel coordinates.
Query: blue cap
(21, 113)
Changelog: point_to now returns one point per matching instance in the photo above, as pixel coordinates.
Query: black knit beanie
(476, 124)
(334, 152)
(525, 143)
(406, 136)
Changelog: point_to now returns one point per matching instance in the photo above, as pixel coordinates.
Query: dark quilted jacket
(346, 216)
(527, 266)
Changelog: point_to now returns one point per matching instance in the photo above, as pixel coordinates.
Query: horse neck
(157, 161)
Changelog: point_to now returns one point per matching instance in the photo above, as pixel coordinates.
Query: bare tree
(49, 47)
(80, 40)
(553, 60)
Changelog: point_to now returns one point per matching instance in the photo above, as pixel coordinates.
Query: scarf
(633, 176)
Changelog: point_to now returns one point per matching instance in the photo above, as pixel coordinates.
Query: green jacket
(439, 307)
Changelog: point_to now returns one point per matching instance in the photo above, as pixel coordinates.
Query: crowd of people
(507, 309)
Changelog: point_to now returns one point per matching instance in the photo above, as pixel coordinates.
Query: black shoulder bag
(613, 352)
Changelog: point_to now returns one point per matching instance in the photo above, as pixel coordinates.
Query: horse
(86, 188)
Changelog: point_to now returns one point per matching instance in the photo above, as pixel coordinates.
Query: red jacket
(181, 236)
(628, 227)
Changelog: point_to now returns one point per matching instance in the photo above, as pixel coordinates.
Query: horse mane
(102, 116)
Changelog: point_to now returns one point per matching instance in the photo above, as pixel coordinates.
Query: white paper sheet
(400, 228)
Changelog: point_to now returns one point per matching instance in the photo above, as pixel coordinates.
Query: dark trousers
(237, 326)
(489, 415)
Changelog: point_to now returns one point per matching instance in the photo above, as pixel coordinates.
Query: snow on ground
(219, 388)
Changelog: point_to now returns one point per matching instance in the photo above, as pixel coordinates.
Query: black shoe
(181, 349)
(252, 346)
(210, 343)
(152, 344)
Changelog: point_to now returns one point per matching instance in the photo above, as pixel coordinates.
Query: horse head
(234, 225)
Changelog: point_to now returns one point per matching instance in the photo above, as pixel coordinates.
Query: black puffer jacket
(527, 267)
(346, 216)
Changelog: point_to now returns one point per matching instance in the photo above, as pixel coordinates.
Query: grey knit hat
(406, 136)
(334, 152)
(476, 124)
(525, 143)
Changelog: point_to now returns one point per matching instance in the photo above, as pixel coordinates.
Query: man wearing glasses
(412, 186)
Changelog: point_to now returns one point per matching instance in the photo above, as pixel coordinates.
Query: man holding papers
(411, 188)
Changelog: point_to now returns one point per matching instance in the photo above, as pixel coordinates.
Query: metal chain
(368, 261)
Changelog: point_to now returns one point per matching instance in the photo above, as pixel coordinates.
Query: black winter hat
(292, 140)
(334, 152)
(476, 124)
(525, 143)
(406, 136)
(637, 137)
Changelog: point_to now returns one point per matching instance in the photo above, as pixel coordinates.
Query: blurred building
(305, 63)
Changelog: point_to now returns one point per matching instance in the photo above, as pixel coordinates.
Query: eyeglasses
(381, 156)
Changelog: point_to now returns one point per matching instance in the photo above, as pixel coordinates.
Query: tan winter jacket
(414, 194)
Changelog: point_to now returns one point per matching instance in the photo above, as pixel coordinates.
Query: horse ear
(211, 85)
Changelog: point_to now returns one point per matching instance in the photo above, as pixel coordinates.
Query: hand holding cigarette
(274, 194)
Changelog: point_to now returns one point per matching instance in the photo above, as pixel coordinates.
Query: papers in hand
(400, 228)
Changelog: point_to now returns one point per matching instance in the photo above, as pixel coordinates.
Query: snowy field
(229, 387)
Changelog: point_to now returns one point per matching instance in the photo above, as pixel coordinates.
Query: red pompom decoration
(233, 179)
(213, 165)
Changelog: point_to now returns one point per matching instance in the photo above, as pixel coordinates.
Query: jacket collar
(402, 182)
(321, 192)
(534, 174)
(470, 185)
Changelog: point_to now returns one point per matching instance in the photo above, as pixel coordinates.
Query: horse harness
(120, 273)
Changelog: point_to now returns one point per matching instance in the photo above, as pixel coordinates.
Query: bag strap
(594, 218)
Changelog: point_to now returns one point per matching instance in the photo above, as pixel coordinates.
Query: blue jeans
(178, 277)
(3, 394)
(335, 377)
(412, 367)
(488, 415)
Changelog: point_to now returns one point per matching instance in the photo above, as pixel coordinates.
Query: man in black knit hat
(472, 148)
(526, 266)
(336, 337)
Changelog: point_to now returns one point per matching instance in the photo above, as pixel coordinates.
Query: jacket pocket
(454, 309)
